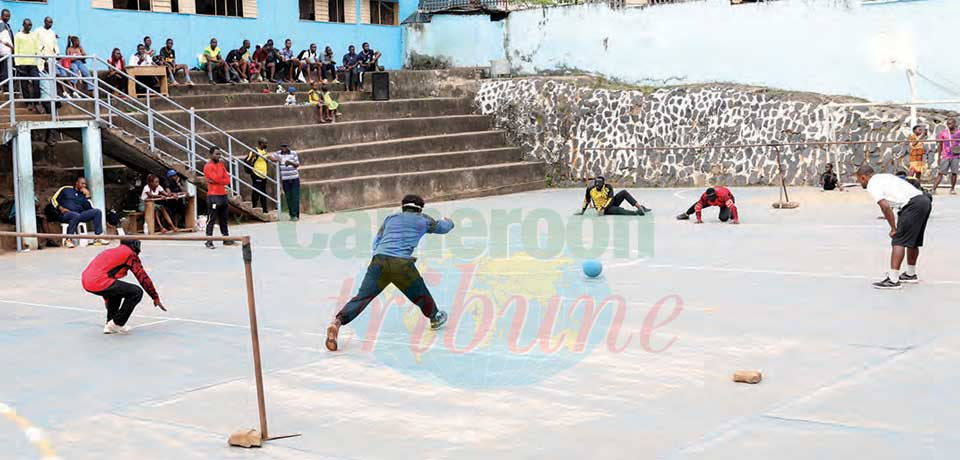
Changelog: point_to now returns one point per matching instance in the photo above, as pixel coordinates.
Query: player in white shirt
(906, 229)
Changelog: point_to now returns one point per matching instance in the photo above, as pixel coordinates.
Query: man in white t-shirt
(6, 42)
(906, 229)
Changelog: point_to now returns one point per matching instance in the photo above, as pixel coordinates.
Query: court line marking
(151, 323)
(34, 434)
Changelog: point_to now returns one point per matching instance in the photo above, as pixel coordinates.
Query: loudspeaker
(381, 85)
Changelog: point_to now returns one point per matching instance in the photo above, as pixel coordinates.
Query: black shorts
(912, 222)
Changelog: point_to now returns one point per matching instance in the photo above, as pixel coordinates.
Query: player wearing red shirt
(716, 196)
(102, 277)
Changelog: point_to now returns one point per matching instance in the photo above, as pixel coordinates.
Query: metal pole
(13, 109)
(193, 140)
(96, 89)
(255, 337)
(278, 189)
(52, 74)
(150, 122)
(109, 109)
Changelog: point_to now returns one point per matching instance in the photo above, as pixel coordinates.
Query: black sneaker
(639, 212)
(439, 320)
(683, 216)
(886, 284)
(905, 278)
(209, 244)
(229, 243)
(646, 209)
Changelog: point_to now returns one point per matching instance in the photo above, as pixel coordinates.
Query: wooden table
(158, 71)
(150, 213)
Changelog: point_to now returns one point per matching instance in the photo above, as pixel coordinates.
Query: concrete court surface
(849, 372)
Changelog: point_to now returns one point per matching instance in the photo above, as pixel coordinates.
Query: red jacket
(217, 178)
(723, 199)
(111, 265)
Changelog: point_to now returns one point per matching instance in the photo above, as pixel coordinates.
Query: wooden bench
(150, 215)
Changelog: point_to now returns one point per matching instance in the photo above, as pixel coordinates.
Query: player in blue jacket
(393, 263)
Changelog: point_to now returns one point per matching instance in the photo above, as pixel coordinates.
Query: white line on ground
(150, 324)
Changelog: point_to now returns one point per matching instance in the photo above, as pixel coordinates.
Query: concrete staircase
(375, 153)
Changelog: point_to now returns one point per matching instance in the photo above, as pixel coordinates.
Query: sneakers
(69, 244)
(909, 279)
(683, 216)
(229, 243)
(887, 284)
(209, 244)
(111, 328)
(332, 332)
(439, 320)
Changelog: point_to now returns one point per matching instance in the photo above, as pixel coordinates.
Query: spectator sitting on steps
(74, 206)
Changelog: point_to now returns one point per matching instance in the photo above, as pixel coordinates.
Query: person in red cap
(102, 277)
(715, 196)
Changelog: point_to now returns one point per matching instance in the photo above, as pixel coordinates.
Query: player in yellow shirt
(601, 196)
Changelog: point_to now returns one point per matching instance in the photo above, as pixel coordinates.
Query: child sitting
(314, 98)
(291, 97)
(329, 106)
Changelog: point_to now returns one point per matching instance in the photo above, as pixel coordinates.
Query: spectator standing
(168, 57)
(6, 43)
(328, 66)
(917, 151)
(74, 206)
(218, 208)
(212, 60)
(829, 179)
(330, 106)
(26, 42)
(47, 39)
(949, 140)
(351, 65)
(289, 163)
(78, 66)
(115, 76)
(257, 160)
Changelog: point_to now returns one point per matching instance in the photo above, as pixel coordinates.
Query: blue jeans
(80, 69)
(382, 272)
(73, 220)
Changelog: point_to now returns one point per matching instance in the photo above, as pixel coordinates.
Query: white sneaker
(77, 95)
(66, 96)
(69, 244)
(125, 329)
(111, 328)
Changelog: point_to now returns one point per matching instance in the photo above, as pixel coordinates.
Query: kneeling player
(716, 196)
(102, 277)
(393, 264)
(907, 229)
(601, 196)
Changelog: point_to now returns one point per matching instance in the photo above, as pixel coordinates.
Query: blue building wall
(101, 30)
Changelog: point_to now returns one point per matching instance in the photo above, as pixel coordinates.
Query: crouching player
(715, 196)
(102, 277)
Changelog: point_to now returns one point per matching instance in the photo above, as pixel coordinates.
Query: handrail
(117, 107)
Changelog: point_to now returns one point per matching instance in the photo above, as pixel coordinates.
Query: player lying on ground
(102, 277)
(601, 196)
(716, 196)
(907, 229)
(393, 264)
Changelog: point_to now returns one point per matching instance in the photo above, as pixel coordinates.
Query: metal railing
(142, 121)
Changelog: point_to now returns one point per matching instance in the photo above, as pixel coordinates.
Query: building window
(174, 6)
(336, 11)
(136, 5)
(383, 13)
(308, 10)
(220, 7)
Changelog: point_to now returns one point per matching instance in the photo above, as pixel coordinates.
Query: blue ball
(592, 268)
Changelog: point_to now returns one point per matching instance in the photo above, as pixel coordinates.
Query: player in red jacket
(218, 206)
(102, 277)
(716, 196)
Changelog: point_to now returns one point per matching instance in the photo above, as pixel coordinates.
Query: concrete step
(410, 163)
(249, 99)
(280, 115)
(313, 135)
(455, 142)
(225, 88)
(437, 185)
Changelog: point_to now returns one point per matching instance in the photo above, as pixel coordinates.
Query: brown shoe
(332, 331)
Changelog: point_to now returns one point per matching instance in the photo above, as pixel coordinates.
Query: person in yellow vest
(601, 196)
(257, 161)
(26, 42)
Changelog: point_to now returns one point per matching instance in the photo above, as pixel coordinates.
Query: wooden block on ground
(245, 438)
(747, 376)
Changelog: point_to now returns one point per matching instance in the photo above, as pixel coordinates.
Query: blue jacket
(71, 199)
(401, 232)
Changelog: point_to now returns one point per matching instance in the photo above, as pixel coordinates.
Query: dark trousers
(353, 79)
(29, 89)
(291, 192)
(73, 220)
(725, 213)
(328, 72)
(614, 209)
(120, 299)
(119, 82)
(218, 210)
(3, 76)
(382, 272)
(259, 185)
